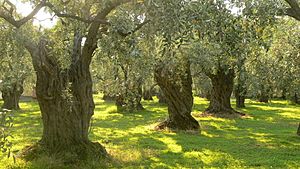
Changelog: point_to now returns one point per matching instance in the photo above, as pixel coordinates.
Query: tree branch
(18, 23)
(294, 10)
(138, 27)
(75, 17)
(92, 38)
(7, 15)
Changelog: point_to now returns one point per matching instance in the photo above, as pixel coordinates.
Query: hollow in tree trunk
(11, 96)
(222, 87)
(179, 97)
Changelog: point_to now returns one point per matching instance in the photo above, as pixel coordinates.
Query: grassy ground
(265, 139)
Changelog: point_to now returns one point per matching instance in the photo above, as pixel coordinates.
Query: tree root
(69, 154)
(169, 125)
(227, 113)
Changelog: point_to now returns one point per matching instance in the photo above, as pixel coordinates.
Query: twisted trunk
(179, 98)
(222, 87)
(11, 96)
(66, 101)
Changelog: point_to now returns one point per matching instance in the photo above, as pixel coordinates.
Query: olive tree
(64, 90)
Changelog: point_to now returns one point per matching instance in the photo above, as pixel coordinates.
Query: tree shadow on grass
(253, 142)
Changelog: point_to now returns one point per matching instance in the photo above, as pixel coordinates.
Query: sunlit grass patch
(265, 139)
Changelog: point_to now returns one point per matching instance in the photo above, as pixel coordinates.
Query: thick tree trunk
(222, 87)
(11, 96)
(65, 98)
(179, 98)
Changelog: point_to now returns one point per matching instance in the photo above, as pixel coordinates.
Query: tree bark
(240, 96)
(11, 96)
(177, 88)
(295, 98)
(65, 94)
(65, 98)
(161, 97)
(147, 93)
(130, 99)
(263, 96)
(298, 131)
(222, 87)
(240, 100)
(240, 87)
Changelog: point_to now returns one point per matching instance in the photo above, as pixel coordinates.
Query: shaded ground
(266, 139)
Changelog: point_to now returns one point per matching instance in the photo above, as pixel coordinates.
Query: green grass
(265, 139)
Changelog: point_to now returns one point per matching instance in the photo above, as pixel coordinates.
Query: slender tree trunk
(298, 131)
(283, 94)
(240, 89)
(222, 87)
(240, 96)
(296, 99)
(11, 96)
(147, 93)
(240, 100)
(263, 95)
(179, 98)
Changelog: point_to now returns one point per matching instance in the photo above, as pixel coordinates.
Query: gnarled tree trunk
(177, 88)
(11, 96)
(66, 101)
(222, 87)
